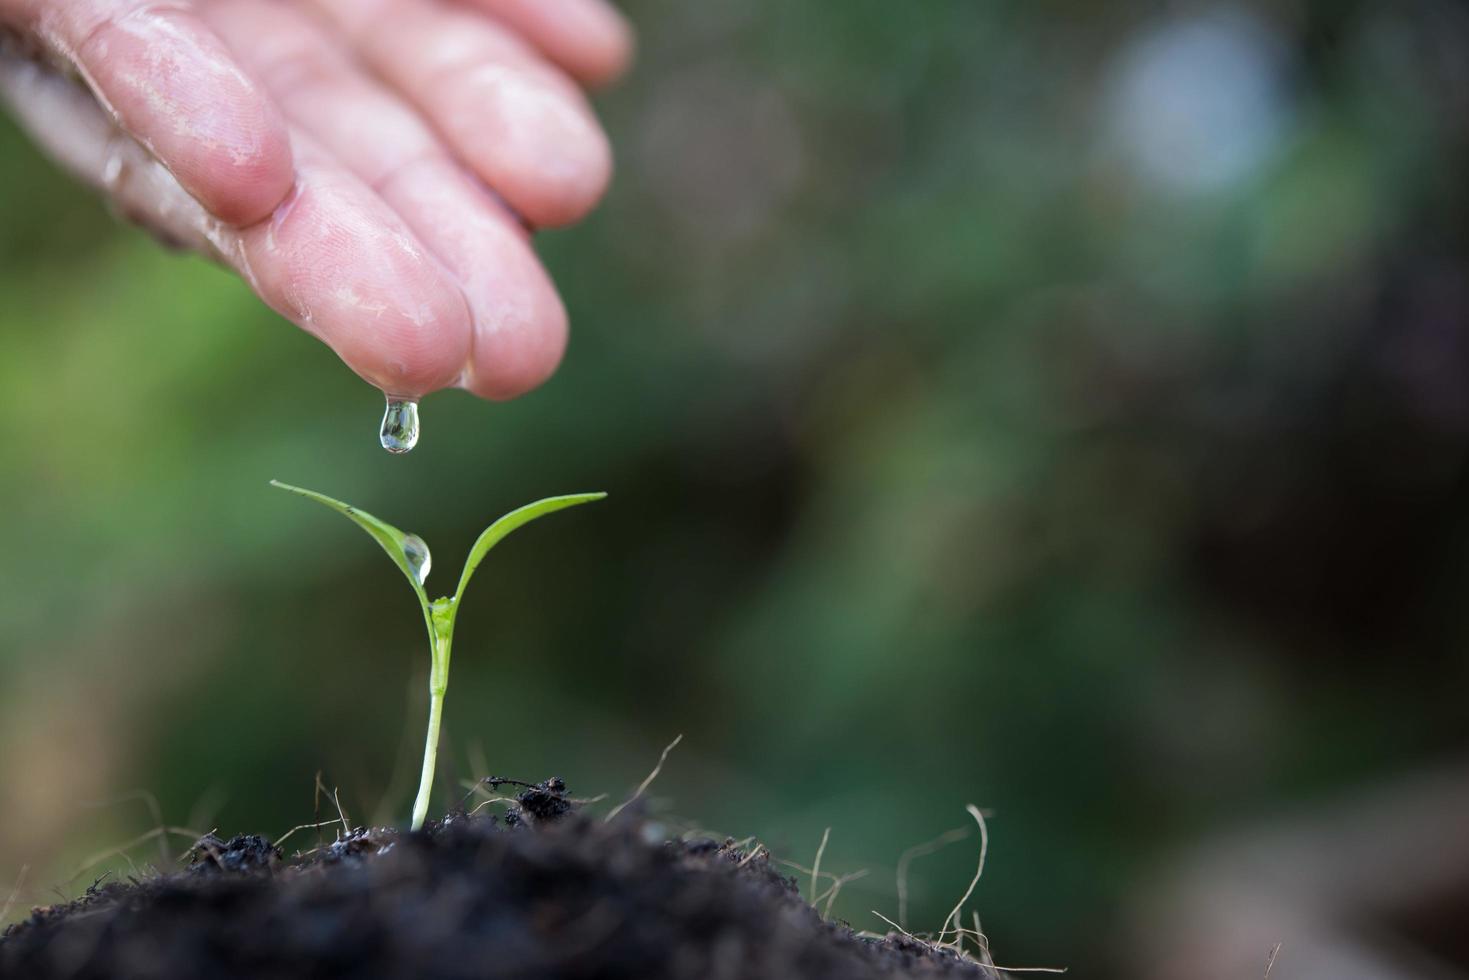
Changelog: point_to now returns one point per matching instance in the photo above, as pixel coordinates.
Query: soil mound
(543, 893)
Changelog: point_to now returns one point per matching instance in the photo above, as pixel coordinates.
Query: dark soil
(545, 892)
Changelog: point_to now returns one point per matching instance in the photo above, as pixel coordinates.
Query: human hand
(367, 166)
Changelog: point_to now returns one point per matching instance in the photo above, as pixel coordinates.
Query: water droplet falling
(400, 425)
(419, 560)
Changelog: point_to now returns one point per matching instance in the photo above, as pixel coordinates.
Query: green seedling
(411, 555)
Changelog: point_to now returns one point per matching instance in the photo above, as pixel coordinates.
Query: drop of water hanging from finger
(400, 425)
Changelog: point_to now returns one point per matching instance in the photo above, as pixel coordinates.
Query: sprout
(411, 555)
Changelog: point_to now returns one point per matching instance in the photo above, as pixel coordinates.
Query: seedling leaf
(392, 540)
(517, 518)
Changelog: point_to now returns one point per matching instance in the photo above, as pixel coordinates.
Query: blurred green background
(1055, 406)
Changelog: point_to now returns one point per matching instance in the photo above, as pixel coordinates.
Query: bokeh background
(1056, 406)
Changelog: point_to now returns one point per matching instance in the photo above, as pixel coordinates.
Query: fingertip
(339, 263)
(522, 125)
(590, 39)
(519, 321)
(540, 150)
(507, 363)
(567, 186)
(416, 351)
(413, 343)
(605, 51)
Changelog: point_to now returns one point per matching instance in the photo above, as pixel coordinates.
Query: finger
(519, 322)
(517, 122)
(590, 39)
(340, 263)
(172, 84)
(333, 257)
(520, 327)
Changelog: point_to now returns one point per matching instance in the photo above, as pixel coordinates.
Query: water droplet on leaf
(400, 425)
(419, 560)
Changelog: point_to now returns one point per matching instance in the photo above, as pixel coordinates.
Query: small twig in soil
(304, 826)
(20, 881)
(200, 841)
(730, 844)
(982, 941)
(793, 865)
(205, 843)
(1028, 969)
(922, 850)
(154, 810)
(896, 926)
(836, 886)
(984, 848)
(493, 799)
(1274, 952)
(122, 850)
(751, 856)
(646, 782)
(493, 782)
(816, 865)
(830, 893)
(337, 799)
